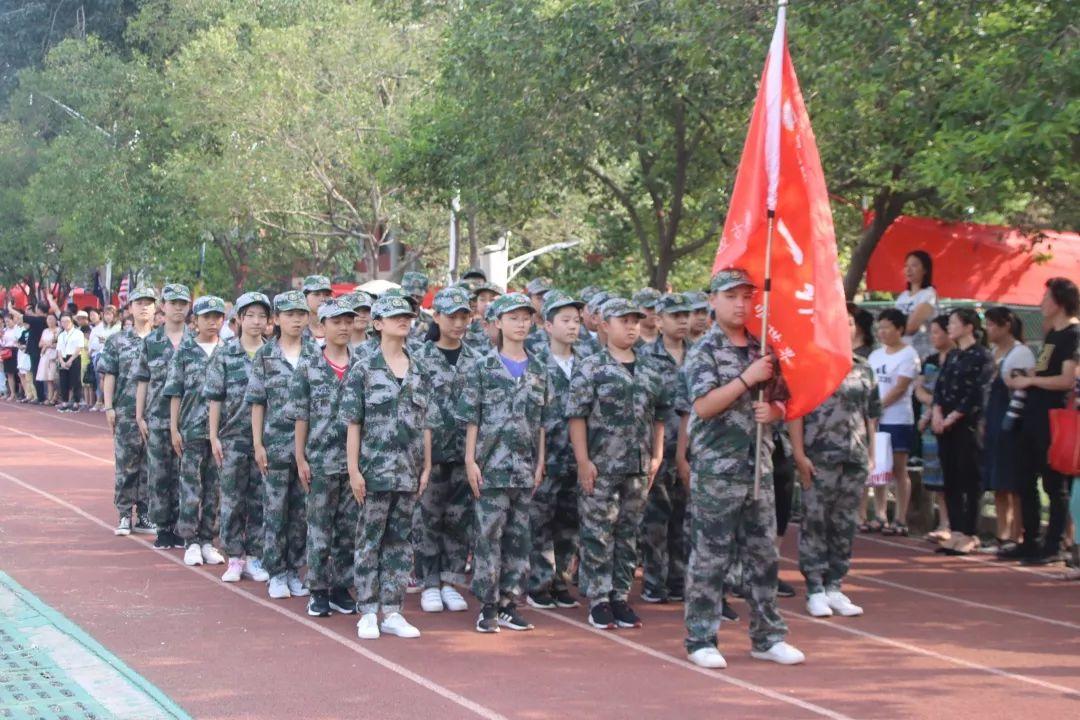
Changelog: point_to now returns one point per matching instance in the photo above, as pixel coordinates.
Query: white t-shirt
(99, 334)
(566, 364)
(906, 303)
(70, 342)
(888, 369)
(207, 347)
(1019, 357)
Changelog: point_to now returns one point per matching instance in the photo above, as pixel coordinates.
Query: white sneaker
(193, 555)
(123, 527)
(254, 570)
(817, 604)
(211, 556)
(296, 585)
(841, 605)
(708, 657)
(452, 599)
(396, 624)
(279, 587)
(781, 653)
(368, 627)
(431, 600)
(235, 570)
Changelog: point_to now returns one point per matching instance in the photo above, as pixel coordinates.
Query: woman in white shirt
(109, 326)
(10, 344)
(919, 302)
(46, 369)
(69, 345)
(895, 364)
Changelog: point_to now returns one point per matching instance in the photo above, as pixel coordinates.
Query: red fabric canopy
(990, 263)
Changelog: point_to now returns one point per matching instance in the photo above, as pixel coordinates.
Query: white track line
(356, 647)
(66, 448)
(968, 558)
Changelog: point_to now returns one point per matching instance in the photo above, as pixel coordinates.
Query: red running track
(941, 637)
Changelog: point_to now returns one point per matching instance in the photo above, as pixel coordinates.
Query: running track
(942, 637)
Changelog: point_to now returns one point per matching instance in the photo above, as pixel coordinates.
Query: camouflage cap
(317, 283)
(597, 300)
(588, 291)
(335, 308)
(698, 300)
(510, 302)
(620, 307)
(175, 291)
(251, 298)
(358, 299)
(414, 283)
(451, 300)
(730, 278)
(208, 304)
(389, 306)
(556, 299)
(646, 298)
(397, 292)
(290, 300)
(673, 303)
(475, 272)
(142, 292)
(538, 286)
(485, 287)
(489, 313)
(469, 284)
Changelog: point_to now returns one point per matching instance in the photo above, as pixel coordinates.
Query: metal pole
(764, 344)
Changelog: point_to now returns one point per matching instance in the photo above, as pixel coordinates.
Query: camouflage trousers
(331, 531)
(553, 521)
(200, 493)
(284, 520)
(501, 550)
(384, 553)
(241, 499)
(163, 472)
(130, 488)
(664, 548)
(610, 520)
(442, 523)
(830, 511)
(729, 524)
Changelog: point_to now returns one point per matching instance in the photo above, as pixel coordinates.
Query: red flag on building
(122, 294)
(780, 172)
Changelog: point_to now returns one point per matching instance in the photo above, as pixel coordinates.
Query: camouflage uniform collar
(722, 340)
(657, 348)
(322, 362)
(607, 357)
(233, 346)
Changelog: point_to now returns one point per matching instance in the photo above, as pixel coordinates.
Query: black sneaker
(601, 617)
(653, 597)
(625, 617)
(341, 601)
(728, 612)
(488, 620)
(318, 605)
(1043, 558)
(542, 600)
(509, 618)
(784, 589)
(166, 540)
(565, 600)
(143, 526)
(675, 594)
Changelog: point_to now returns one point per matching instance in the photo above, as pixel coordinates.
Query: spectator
(24, 364)
(69, 346)
(46, 368)
(9, 349)
(919, 302)
(932, 480)
(102, 331)
(862, 341)
(958, 405)
(89, 380)
(35, 323)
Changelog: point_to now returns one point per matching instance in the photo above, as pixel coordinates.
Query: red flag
(780, 171)
(122, 294)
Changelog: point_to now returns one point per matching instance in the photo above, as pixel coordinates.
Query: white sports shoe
(396, 624)
(841, 605)
(211, 556)
(431, 600)
(123, 527)
(708, 657)
(367, 628)
(193, 555)
(781, 653)
(279, 587)
(296, 585)
(234, 571)
(817, 604)
(254, 570)
(452, 599)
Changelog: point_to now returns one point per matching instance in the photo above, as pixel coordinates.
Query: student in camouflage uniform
(152, 413)
(647, 299)
(592, 340)
(833, 448)
(317, 289)
(273, 443)
(503, 405)
(200, 489)
(553, 512)
(230, 441)
(722, 372)
(476, 337)
(314, 397)
(385, 406)
(360, 302)
(664, 548)
(415, 285)
(536, 289)
(617, 409)
(699, 315)
(443, 518)
(118, 363)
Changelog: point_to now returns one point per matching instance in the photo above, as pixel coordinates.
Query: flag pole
(764, 343)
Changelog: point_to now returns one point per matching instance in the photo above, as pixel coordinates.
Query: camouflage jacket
(559, 453)
(587, 344)
(447, 382)
(153, 367)
(120, 358)
(187, 371)
(509, 414)
(421, 325)
(671, 376)
(724, 445)
(476, 338)
(835, 431)
(536, 341)
(226, 381)
(268, 385)
(620, 409)
(314, 396)
(392, 418)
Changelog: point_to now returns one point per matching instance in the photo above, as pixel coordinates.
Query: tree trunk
(887, 208)
(474, 241)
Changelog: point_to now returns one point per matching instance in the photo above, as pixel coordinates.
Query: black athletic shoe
(601, 617)
(653, 597)
(166, 540)
(728, 612)
(565, 600)
(737, 591)
(541, 600)
(488, 620)
(675, 594)
(1043, 558)
(625, 617)
(341, 601)
(318, 605)
(784, 589)
(509, 618)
